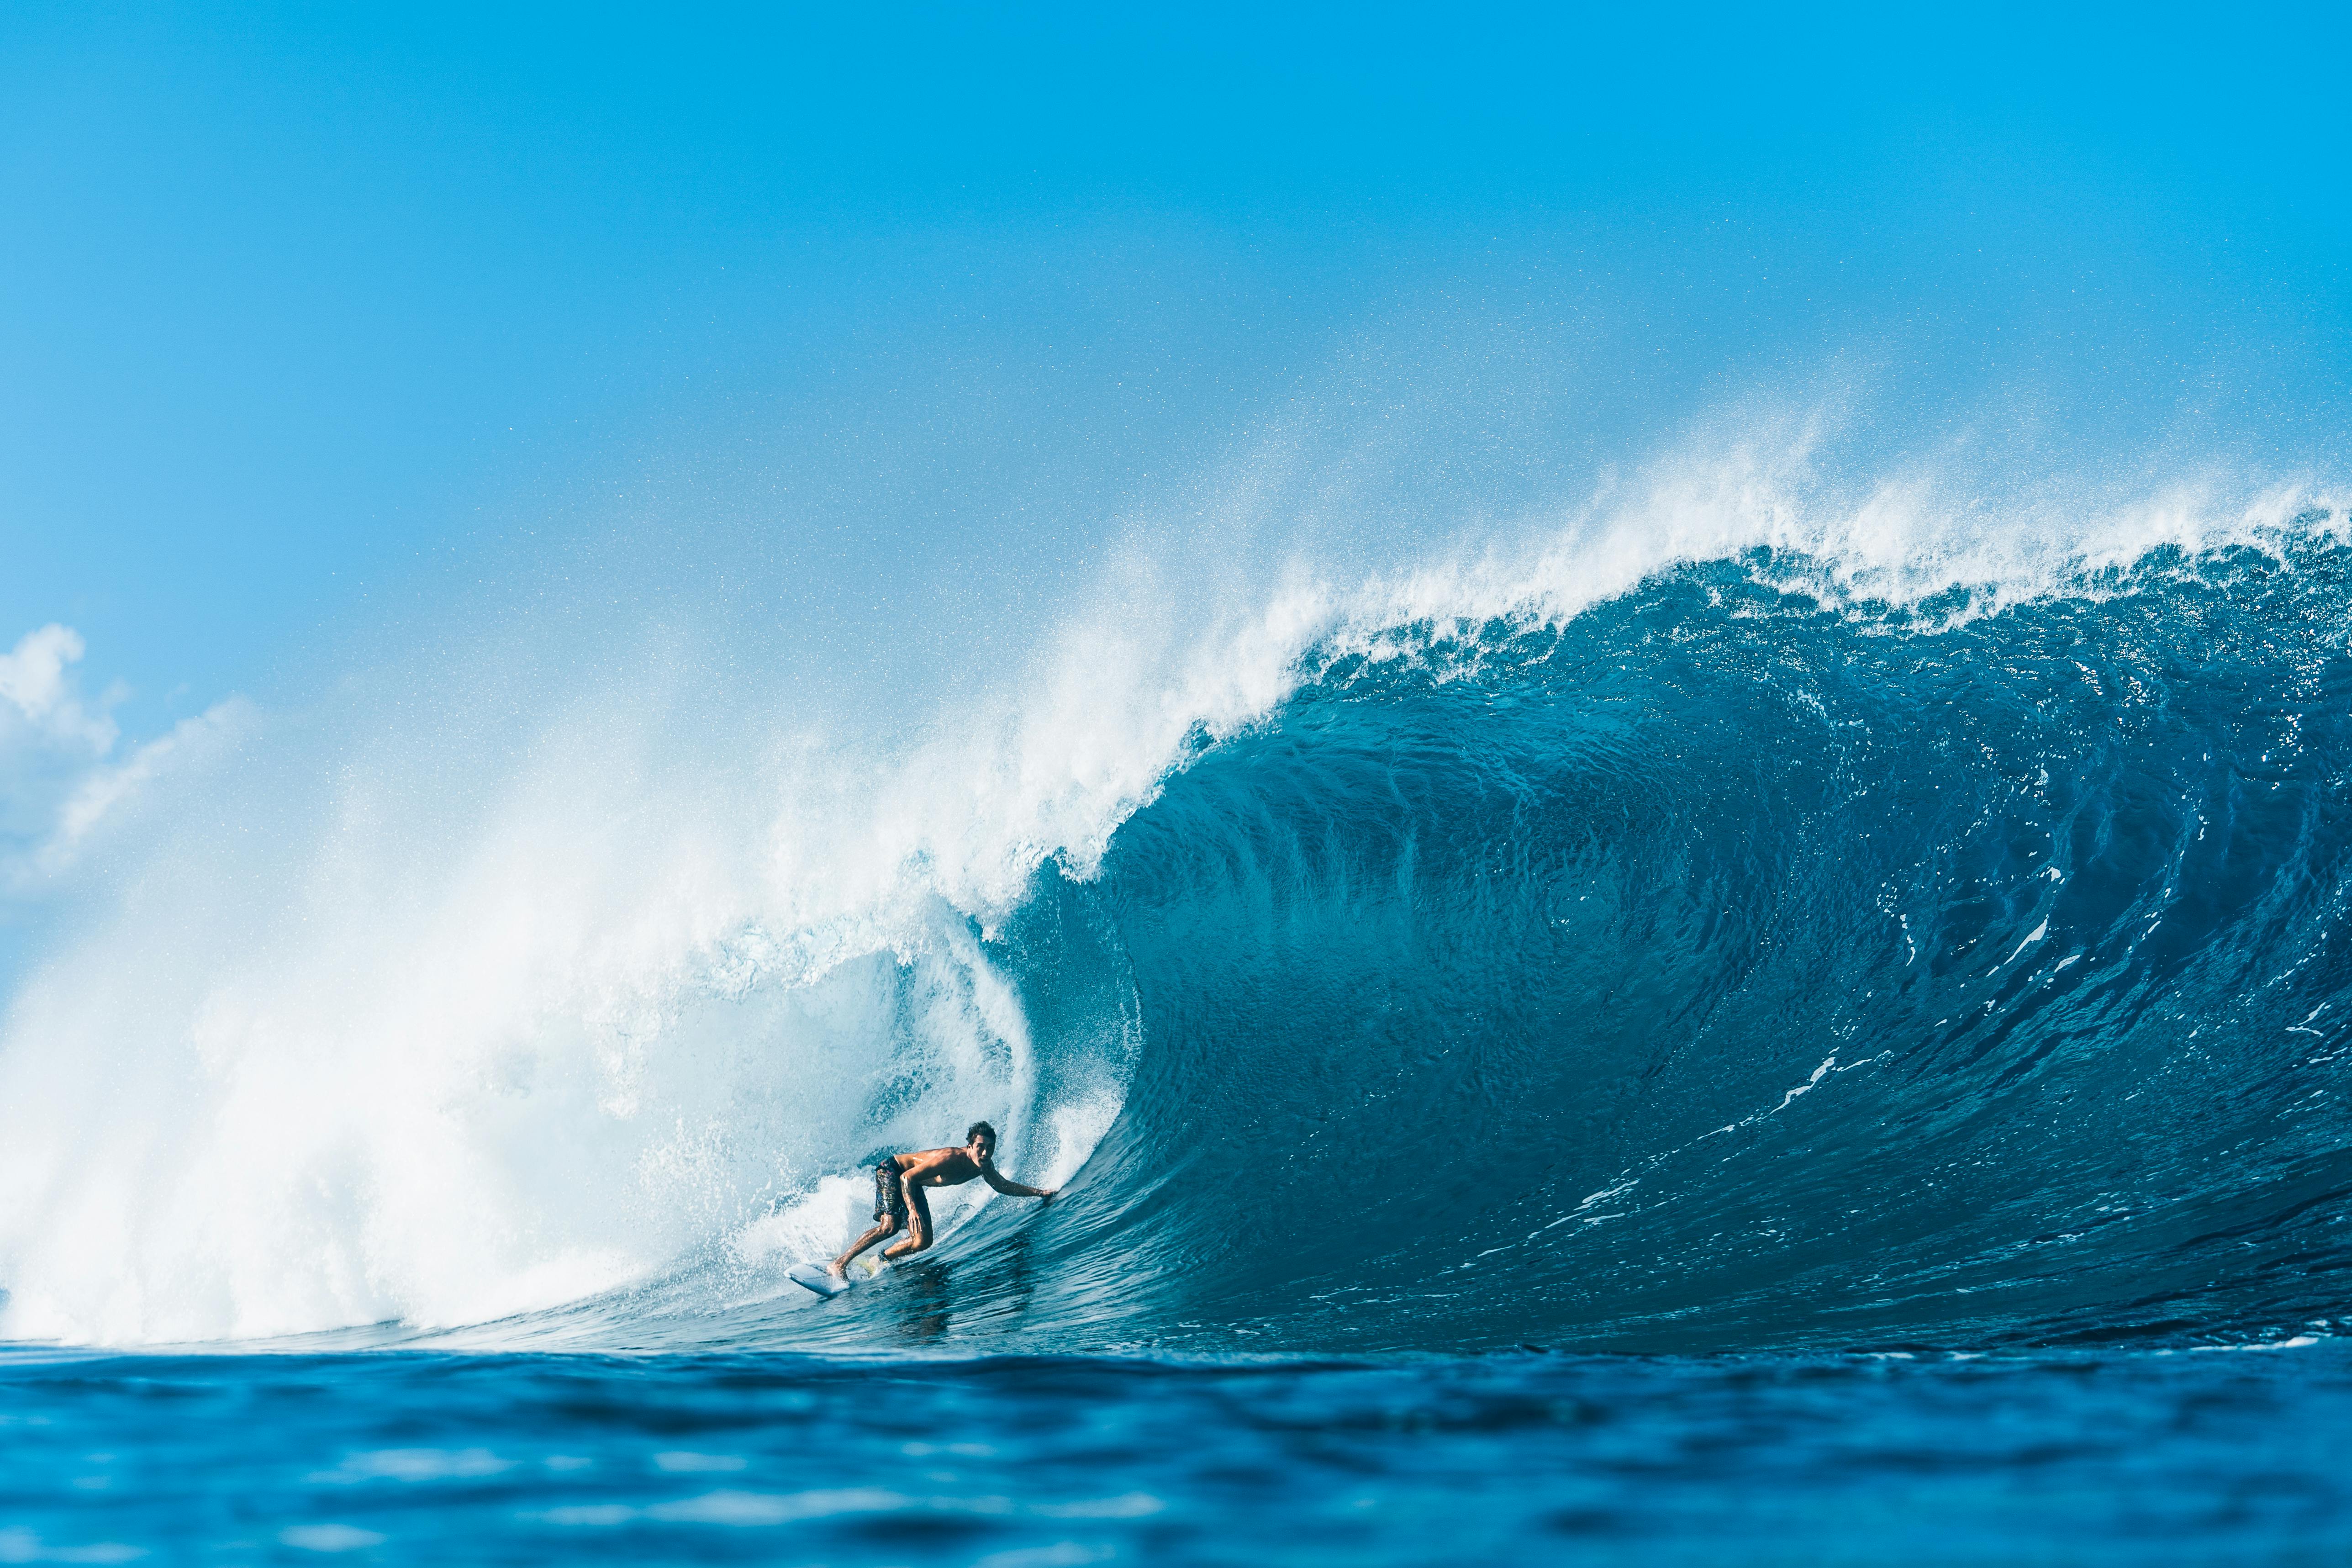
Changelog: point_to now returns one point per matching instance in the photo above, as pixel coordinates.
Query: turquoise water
(2225, 1458)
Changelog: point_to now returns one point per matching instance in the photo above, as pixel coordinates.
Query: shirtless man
(899, 1181)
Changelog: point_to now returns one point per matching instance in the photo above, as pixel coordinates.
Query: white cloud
(36, 683)
(60, 775)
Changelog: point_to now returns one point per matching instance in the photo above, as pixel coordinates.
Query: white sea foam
(439, 1014)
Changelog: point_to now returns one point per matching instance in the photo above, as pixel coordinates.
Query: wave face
(1727, 961)
(1719, 970)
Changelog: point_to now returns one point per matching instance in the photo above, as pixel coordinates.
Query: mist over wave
(1735, 909)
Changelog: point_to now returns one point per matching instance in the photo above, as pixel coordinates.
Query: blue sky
(316, 316)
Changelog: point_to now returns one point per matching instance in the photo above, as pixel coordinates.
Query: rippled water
(1521, 1457)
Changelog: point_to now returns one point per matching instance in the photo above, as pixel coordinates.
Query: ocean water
(1691, 1045)
(1016, 1459)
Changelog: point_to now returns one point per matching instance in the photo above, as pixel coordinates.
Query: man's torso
(937, 1167)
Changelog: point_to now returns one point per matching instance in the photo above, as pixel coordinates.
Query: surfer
(898, 1184)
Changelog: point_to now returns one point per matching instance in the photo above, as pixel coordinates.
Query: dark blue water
(2224, 1457)
(1890, 1062)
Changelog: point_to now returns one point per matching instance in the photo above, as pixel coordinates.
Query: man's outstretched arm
(989, 1173)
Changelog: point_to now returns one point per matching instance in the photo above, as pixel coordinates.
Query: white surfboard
(819, 1279)
(811, 1276)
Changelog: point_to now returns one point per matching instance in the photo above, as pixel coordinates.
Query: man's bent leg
(919, 1225)
(887, 1224)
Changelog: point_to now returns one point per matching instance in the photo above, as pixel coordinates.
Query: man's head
(981, 1139)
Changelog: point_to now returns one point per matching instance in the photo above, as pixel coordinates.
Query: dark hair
(976, 1128)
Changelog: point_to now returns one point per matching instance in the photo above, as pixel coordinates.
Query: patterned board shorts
(889, 1193)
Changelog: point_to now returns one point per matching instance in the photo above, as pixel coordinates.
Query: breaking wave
(1696, 928)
